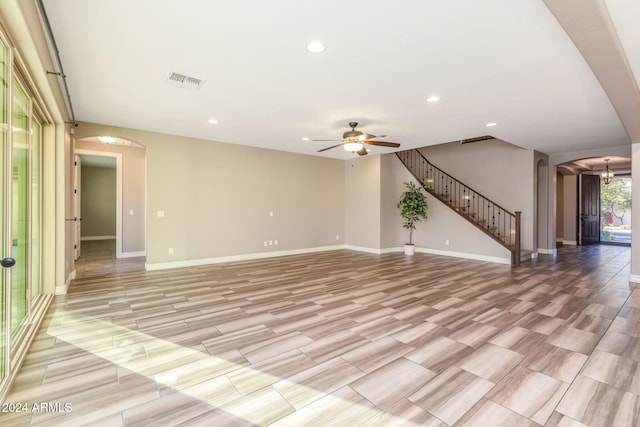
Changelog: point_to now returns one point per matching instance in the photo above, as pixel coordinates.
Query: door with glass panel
(20, 146)
(5, 249)
(21, 207)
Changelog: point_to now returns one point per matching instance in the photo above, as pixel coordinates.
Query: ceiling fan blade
(329, 148)
(383, 143)
(362, 152)
(367, 136)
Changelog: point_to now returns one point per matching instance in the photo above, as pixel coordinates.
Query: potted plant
(413, 208)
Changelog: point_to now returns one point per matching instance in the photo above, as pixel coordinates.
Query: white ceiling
(502, 61)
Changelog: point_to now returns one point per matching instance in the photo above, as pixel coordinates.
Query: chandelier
(607, 175)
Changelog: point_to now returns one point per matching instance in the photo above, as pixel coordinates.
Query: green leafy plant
(413, 208)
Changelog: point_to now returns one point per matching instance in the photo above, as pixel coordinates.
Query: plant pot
(409, 249)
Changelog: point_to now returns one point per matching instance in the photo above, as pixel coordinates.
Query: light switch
(130, 211)
(160, 214)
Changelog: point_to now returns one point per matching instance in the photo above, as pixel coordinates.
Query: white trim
(570, 242)
(97, 238)
(262, 255)
(634, 278)
(548, 251)
(364, 249)
(118, 157)
(62, 290)
(475, 257)
(133, 254)
(233, 258)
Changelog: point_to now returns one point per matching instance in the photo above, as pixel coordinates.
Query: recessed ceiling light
(213, 121)
(316, 46)
(306, 139)
(490, 125)
(108, 139)
(433, 98)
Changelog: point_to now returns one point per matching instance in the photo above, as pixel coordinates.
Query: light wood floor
(342, 339)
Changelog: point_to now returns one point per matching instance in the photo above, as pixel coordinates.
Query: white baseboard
(634, 278)
(233, 258)
(570, 242)
(363, 249)
(373, 250)
(133, 254)
(474, 257)
(548, 251)
(98, 238)
(62, 289)
(262, 255)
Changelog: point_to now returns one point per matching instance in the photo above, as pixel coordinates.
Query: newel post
(515, 259)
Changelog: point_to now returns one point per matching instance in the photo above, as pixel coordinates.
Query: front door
(590, 209)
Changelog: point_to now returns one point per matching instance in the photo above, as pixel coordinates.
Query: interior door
(590, 209)
(77, 205)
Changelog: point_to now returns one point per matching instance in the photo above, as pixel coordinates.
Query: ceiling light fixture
(213, 121)
(353, 146)
(306, 139)
(108, 139)
(433, 98)
(315, 46)
(607, 175)
(490, 125)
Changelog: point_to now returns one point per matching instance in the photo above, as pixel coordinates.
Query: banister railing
(497, 222)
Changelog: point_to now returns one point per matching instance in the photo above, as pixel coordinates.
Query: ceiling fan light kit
(354, 141)
(353, 146)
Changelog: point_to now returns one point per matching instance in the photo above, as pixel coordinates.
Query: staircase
(495, 221)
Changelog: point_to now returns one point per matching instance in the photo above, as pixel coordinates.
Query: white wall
(218, 198)
(502, 172)
(570, 209)
(98, 202)
(635, 213)
(443, 232)
(559, 206)
(362, 202)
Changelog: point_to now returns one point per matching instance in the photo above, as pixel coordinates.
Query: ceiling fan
(353, 140)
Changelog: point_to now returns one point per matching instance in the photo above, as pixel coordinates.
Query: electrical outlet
(337, 237)
(446, 242)
(170, 251)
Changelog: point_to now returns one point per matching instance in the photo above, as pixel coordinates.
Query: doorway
(615, 208)
(98, 197)
(605, 210)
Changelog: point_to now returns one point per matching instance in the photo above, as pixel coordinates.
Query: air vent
(476, 139)
(186, 82)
